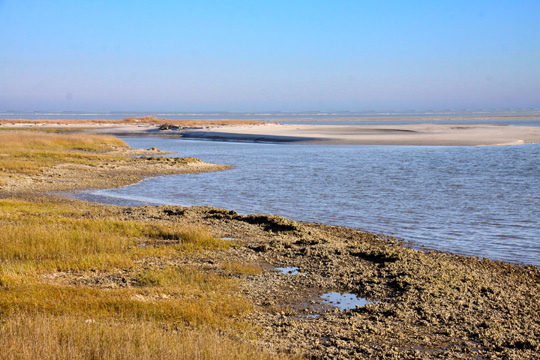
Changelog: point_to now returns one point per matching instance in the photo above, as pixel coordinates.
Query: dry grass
(78, 283)
(39, 336)
(53, 258)
(37, 238)
(24, 152)
(42, 140)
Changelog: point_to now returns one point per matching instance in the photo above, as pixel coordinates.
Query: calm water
(483, 201)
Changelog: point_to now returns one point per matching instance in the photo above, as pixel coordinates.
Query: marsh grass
(43, 243)
(77, 282)
(17, 140)
(39, 336)
(37, 238)
(42, 129)
(24, 152)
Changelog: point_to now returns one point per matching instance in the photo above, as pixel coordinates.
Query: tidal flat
(74, 267)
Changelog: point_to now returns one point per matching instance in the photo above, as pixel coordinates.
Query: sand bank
(417, 134)
(412, 134)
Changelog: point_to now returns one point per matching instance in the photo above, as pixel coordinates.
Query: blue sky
(268, 55)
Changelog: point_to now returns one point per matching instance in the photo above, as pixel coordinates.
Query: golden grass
(53, 258)
(27, 152)
(38, 336)
(76, 282)
(215, 304)
(34, 140)
(46, 237)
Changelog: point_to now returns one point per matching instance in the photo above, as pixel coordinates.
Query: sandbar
(425, 134)
(414, 134)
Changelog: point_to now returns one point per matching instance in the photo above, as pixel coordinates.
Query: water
(291, 270)
(482, 201)
(344, 301)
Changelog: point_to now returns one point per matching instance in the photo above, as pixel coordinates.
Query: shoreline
(424, 304)
(141, 163)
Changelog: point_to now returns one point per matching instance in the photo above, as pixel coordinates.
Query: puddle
(228, 238)
(307, 317)
(293, 270)
(344, 301)
(143, 244)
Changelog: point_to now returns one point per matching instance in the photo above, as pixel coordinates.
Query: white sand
(418, 134)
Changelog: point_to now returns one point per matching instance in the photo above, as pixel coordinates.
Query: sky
(275, 55)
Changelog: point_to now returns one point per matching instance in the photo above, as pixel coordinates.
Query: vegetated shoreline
(426, 304)
(142, 163)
